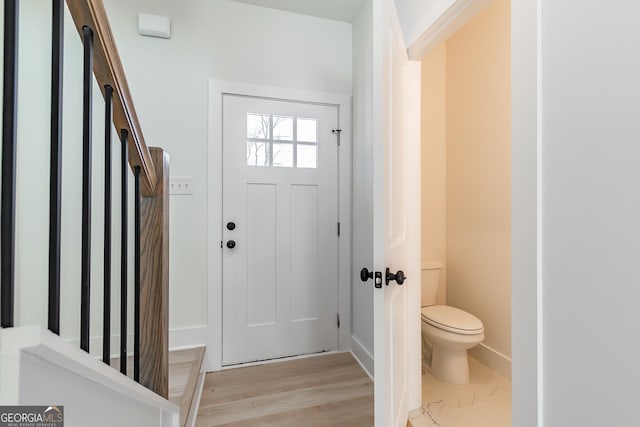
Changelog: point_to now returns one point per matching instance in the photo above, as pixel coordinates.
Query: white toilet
(447, 332)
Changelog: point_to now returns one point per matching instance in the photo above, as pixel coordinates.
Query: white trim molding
(217, 88)
(526, 214)
(458, 14)
(492, 358)
(179, 339)
(182, 338)
(362, 356)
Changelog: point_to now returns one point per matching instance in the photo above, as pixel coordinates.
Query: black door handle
(231, 226)
(231, 244)
(399, 277)
(365, 274)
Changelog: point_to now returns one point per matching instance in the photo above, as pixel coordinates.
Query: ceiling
(338, 10)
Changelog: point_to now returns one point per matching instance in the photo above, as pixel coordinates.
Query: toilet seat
(452, 319)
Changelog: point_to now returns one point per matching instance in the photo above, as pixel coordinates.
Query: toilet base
(450, 365)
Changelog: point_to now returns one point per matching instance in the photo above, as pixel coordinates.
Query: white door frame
(526, 192)
(217, 89)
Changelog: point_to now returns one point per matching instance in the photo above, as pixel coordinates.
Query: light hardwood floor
(330, 390)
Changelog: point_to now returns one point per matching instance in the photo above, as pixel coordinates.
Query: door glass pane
(282, 155)
(307, 130)
(283, 128)
(307, 156)
(258, 126)
(257, 153)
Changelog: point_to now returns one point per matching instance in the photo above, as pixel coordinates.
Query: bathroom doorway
(466, 209)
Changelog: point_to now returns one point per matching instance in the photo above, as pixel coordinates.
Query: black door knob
(231, 244)
(365, 274)
(399, 277)
(231, 226)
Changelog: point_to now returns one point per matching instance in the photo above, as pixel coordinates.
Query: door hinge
(337, 133)
(338, 320)
(338, 229)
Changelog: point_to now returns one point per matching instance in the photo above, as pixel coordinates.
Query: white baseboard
(179, 338)
(492, 358)
(182, 338)
(362, 356)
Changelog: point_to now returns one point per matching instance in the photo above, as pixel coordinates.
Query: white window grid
(269, 141)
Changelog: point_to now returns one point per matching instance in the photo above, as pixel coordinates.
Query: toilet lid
(452, 319)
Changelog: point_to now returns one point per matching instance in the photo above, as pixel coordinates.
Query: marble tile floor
(484, 402)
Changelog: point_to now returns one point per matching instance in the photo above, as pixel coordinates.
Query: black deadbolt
(231, 226)
(231, 244)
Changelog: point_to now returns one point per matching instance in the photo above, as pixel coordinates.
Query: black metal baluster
(8, 198)
(136, 328)
(123, 252)
(87, 91)
(106, 324)
(55, 182)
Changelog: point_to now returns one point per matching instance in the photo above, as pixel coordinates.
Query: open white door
(396, 220)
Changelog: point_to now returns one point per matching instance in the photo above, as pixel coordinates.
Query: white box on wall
(154, 25)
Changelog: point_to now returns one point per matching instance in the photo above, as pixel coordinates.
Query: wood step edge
(190, 389)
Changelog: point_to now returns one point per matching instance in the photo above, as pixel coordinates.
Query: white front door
(396, 220)
(280, 228)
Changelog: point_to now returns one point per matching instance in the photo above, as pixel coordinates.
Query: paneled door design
(280, 228)
(396, 219)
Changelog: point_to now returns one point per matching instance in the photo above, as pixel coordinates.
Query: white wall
(590, 212)
(168, 78)
(362, 244)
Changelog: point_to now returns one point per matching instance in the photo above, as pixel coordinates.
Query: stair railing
(150, 169)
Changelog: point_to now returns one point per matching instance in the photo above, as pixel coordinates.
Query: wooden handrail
(153, 256)
(108, 70)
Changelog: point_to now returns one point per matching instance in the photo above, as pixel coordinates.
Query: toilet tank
(430, 282)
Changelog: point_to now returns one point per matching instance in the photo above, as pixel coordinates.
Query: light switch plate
(181, 185)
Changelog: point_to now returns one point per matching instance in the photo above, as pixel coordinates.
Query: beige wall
(478, 176)
(434, 152)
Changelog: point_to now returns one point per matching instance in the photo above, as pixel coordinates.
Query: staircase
(39, 368)
(68, 315)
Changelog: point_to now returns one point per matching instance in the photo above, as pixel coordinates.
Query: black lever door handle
(365, 274)
(399, 277)
(231, 244)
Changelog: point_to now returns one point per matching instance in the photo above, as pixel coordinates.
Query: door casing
(214, 203)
